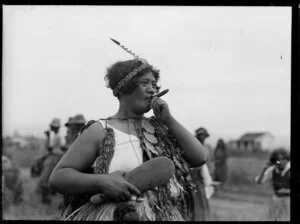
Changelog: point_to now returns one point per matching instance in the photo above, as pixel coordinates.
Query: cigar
(161, 93)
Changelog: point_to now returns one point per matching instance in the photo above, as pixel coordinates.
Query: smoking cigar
(161, 93)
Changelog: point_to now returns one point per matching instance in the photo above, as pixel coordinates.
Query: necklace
(132, 143)
(148, 139)
(129, 134)
(145, 133)
(125, 118)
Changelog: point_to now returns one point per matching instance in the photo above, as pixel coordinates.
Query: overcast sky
(228, 68)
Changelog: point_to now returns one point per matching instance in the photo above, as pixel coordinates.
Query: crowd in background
(208, 177)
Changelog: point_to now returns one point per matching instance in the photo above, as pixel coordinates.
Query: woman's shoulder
(100, 123)
(93, 129)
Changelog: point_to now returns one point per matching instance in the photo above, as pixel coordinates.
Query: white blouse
(128, 154)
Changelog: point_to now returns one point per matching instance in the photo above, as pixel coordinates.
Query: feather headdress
(134, 72)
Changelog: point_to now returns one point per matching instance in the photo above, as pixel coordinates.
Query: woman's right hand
(267, 165)
(117, 188)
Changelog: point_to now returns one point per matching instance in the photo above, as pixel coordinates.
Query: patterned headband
(143, 66)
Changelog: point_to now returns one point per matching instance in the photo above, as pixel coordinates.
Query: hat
(79, 119)
(55, 123)
(70, 121)
(201, 131)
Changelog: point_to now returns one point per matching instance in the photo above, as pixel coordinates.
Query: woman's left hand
(161, 109)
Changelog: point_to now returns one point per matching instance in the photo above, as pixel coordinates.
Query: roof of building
(251, 136)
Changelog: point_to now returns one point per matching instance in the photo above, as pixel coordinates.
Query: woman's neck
(124, 113)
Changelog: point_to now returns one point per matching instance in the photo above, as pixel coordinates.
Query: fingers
(157, 104)
(133, 189)
(152, 101)
(126, 196)
(120, 189)
(120, 172)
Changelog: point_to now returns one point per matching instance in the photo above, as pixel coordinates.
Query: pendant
(147, 127)
(158, 149)
(150, 138)
(148, 153)
(151, 148)
(177, 163)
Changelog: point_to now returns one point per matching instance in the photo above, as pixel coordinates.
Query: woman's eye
(154, 86)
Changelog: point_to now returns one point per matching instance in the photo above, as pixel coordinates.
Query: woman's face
(281, 162)
(55, 129)
(201, 137)
(140, 99)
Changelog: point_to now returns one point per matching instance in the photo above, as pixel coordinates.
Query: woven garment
(122, 211)
(156, 140)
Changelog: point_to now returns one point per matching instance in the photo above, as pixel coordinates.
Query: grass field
(239, 200)
(31, 208)
(241, 174)
(226, 205)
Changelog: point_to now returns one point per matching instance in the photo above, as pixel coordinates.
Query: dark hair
(274, 155)
(117, 71)
(221, 144)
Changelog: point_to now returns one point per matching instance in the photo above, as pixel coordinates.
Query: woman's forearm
(258, 180)
(194, 151)
(71, 181)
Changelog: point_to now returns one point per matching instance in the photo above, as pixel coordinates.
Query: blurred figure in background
(79, 122)
(55, 147)
(203, 180)
(277, 171)
(220, 173)
(69, 136)
(12, 186)
(74, 126)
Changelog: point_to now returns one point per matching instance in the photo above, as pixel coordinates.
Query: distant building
(232, 144)
(20, 141)
(253, 141)
(23, 142)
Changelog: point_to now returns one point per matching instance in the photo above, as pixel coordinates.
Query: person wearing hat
(74, 126)
(203, 180)
(79, 122)
(69, 136)
(55, 146)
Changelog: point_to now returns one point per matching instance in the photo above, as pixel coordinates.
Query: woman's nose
(151, 89)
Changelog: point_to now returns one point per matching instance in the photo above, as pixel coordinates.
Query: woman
(277, 171)
(122, 142)
(220, 174)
